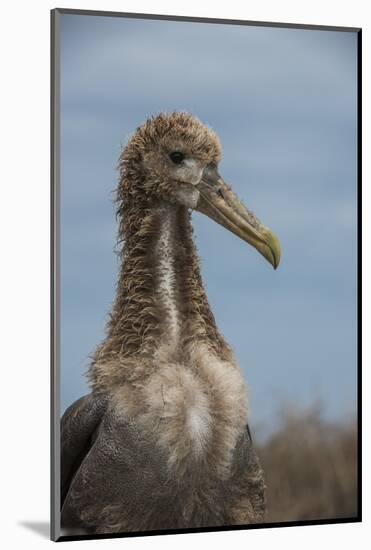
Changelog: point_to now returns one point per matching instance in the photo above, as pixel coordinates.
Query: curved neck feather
(160, 303)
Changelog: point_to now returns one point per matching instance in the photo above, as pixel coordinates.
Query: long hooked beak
(219, 203)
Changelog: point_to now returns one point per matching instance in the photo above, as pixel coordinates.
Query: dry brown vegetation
(310, 468)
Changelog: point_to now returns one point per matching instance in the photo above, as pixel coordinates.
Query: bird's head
(174, 158)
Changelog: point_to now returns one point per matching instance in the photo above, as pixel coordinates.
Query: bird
(162, 439)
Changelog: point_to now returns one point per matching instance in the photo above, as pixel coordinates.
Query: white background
(24, 288)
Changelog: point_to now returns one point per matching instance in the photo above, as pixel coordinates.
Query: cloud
(118, 59)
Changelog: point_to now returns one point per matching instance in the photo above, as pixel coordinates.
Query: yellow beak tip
(272, 250)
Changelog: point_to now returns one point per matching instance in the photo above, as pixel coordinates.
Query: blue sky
(283, 102)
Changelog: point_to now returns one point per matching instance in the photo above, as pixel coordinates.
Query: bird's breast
(194, 413)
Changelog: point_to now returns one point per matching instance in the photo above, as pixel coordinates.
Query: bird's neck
(160, 305)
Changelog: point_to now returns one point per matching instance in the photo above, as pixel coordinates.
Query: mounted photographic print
(205, 206)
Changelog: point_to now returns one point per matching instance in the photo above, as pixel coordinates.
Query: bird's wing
(79, 425)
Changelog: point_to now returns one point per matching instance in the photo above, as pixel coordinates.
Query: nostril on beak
(220, 193)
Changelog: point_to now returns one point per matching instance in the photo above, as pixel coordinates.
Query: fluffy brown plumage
(161, 441)
(144, 196)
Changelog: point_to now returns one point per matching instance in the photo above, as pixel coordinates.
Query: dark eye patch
(177, 157)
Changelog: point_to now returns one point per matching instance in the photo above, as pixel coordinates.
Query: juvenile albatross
(161, 441)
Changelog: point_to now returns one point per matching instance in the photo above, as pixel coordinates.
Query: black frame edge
(359, 270)
(54, 278)
(195, 19)
(52, 305)
(337, 521)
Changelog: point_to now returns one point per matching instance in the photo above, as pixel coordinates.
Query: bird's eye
(177, 157)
